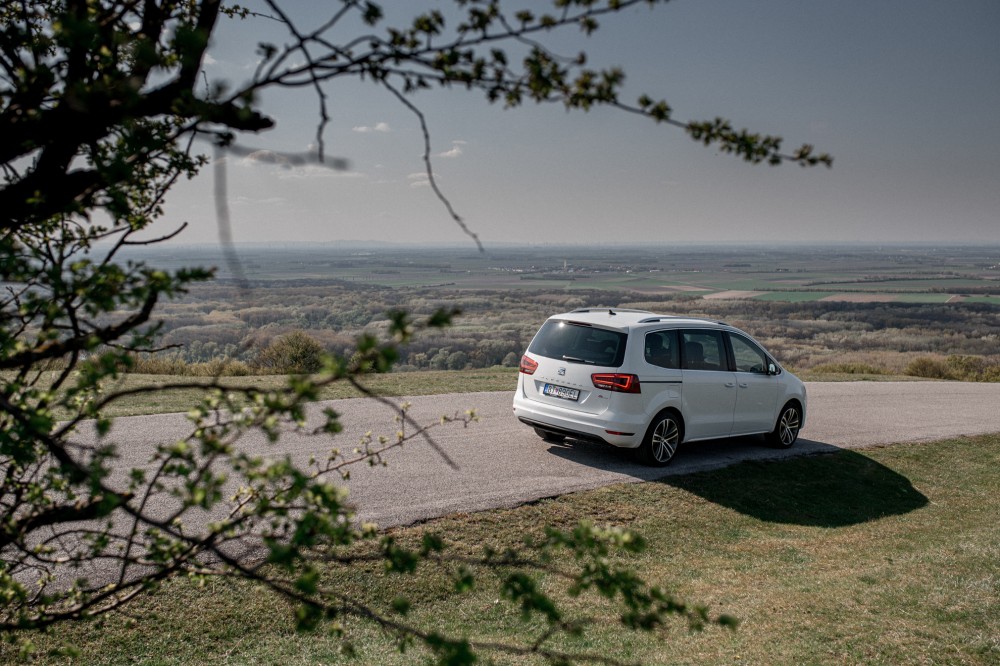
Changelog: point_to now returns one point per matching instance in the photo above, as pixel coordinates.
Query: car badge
(562, 371)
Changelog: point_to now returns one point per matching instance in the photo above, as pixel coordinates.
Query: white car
(645, 381)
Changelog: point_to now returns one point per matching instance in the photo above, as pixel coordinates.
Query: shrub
(173, 365)
(974, 368)
(458, 360)
(967, 367)
(295, 353)
(931, 368)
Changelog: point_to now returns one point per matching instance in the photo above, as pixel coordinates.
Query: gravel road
(503, 463)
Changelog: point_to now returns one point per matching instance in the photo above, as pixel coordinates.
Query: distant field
(794, 296)
(992, 300)
(834, 269)
(883, 306)
(918, 284)
(923, 298)
(854, 297)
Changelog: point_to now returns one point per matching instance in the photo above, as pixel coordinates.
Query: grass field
(426, 382)
(922, 298)
(883, 556)
(718, 268)
(992, 300)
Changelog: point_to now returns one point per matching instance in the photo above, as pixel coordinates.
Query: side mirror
(772, 369)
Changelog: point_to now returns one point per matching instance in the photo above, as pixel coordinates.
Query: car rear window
(580, 343)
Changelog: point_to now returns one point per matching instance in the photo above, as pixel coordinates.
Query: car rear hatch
(567, 354)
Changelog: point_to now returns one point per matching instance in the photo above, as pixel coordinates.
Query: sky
(905, 94)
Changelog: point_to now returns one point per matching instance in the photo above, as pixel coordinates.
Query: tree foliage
(101, 106)
(295, 353)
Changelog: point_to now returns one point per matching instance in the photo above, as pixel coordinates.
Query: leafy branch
(102, 105)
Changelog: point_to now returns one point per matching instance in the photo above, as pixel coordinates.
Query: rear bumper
(577, 425)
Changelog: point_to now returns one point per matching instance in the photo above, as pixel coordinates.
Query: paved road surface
(503, 463)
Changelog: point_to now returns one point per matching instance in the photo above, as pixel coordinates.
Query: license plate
(561, 392)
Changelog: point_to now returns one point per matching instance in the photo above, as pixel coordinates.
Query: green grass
(923, 298)
(918, 284)
(884, 556)
(428, 382)
(424, 382)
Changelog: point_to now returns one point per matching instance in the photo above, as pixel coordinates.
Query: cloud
(379, 127)
(419, 179)
(247, 201)
(456, 150)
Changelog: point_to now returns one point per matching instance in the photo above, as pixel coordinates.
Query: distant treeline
(219, 321)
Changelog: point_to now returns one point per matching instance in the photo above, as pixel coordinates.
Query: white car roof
(624, 318)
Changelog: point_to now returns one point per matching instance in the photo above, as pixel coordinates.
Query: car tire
(549, 437)
(664, 434)
(786, 429)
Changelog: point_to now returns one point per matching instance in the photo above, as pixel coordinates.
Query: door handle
(730, 384)
(742, 385)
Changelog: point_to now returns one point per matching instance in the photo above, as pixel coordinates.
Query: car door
(756, 389)
(709, 393)
(660, 374)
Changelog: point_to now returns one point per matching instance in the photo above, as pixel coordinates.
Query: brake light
(528, 365)
(616, 382)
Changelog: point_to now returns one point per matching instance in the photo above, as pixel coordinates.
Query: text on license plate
(561, 392)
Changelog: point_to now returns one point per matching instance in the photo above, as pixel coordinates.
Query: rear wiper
(574, 359)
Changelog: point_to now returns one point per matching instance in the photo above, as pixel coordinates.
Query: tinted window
(748, 356)
(579, 343)
(703, 350)
(662, 349)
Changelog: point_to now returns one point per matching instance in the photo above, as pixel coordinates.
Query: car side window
(662, 349)
(703, 350)
(748, 356)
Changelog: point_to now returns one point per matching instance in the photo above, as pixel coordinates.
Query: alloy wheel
(788, 427)
(665, 438)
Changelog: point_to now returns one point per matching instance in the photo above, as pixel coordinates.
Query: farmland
(812, 306)
(692, 269)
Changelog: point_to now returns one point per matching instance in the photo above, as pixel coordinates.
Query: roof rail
(651, 320)
(611, 310)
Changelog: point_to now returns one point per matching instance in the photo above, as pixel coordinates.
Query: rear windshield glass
(579, 343)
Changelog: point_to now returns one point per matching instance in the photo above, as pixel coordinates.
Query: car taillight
(528, 365)
(616, 382)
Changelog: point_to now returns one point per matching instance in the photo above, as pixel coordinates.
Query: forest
(891, 316)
